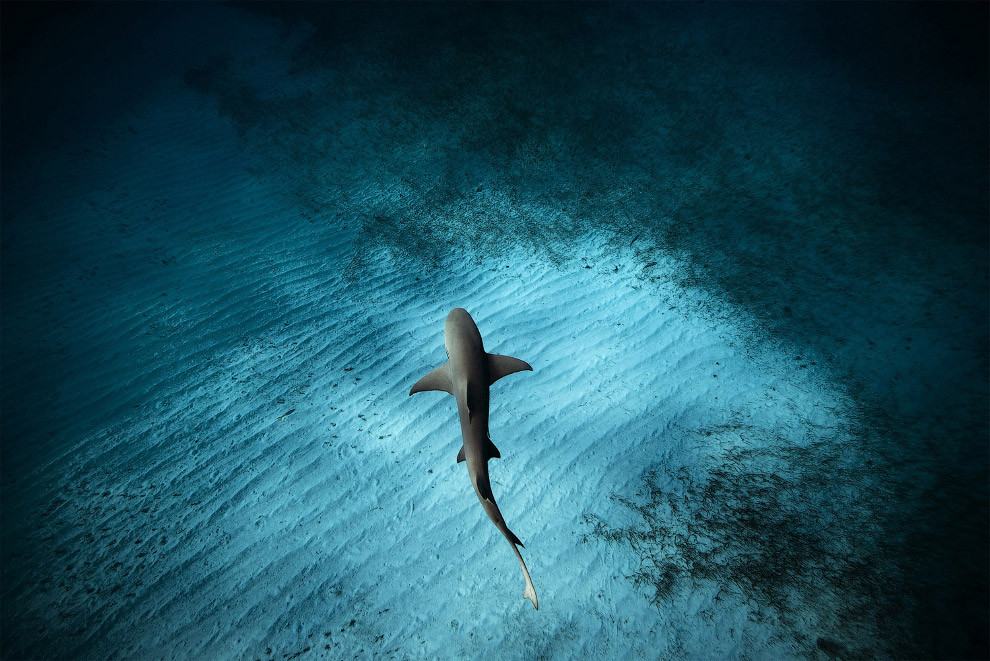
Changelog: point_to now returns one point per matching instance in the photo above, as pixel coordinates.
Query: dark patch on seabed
(824, 167)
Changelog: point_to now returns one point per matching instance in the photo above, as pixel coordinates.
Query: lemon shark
(467, 375)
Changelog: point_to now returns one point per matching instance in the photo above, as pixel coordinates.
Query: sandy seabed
(209, 450)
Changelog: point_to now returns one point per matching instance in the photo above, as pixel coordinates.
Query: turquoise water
(743, 246)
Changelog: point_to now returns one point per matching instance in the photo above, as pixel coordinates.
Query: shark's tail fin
(530, 592)
(531, 595)
(512, 538)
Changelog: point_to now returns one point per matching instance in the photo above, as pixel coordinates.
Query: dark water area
(822, 168)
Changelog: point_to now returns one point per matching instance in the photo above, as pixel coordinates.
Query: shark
(467, 375)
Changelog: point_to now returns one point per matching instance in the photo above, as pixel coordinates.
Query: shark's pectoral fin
(491, 452)
(499, 366)
(460, 455)
(438, 379)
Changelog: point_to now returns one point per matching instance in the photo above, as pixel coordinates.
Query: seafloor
(744, 247)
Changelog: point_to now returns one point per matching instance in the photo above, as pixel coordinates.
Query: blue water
(211, 210)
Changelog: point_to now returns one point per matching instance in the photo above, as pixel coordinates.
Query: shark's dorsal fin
(438, 379)
(499, 366)
(460, 455)
(469, 399)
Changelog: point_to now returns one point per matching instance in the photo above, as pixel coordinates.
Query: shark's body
(467, 375)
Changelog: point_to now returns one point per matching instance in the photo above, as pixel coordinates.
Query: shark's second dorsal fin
(438, 379)
(499, 366)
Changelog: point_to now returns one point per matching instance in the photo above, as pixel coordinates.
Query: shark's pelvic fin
(499, 366)
(438, 379)
(491, 452)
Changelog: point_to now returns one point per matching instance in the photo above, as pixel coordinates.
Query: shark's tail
(511, 536)
(484, 493)
(530, 592)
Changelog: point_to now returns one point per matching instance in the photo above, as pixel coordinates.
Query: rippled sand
(210, 452)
